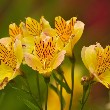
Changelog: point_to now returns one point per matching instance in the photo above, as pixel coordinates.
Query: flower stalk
(72, 59)
(47, 80)
(61, 90)
(86, 93)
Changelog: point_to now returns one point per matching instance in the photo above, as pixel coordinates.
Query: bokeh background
(96, 16)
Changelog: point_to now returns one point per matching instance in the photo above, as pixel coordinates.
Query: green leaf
(29, 104)
(66, 87)
(19, 89)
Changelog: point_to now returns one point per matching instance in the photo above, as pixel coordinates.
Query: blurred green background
(96, 16)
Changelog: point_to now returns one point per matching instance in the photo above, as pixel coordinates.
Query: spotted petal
(76, 34)
(14, 31)
(33, 26)
(104, 78)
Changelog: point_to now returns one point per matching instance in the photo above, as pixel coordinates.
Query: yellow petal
(6, 74)
(14, 31)
(28, 44)
(24, 29)
(5, 71)
(103, 58)
(60, 44)
(104, 78)
(3, 51)
(5, 41)
(78, 30)
(62, 29)
(57, 60)
(33, 62)
(28, 40)
(83, 56)
(18, 52)
(89, 57)
(68, 49)
(44, 23)
(49, 32)
(33, 26)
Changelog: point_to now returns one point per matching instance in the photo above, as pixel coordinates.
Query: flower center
(45, 50)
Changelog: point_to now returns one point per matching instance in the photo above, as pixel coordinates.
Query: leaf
(55, 89)
(29, 104)
(19, 89)
(68, 90)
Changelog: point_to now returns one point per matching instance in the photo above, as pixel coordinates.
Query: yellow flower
(69, 32)
(11, 56)
(97, 60)
(45, 56)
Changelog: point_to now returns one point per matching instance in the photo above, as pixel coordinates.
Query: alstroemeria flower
(97, 61)
(68, 32)
(11, 56)
(46, 56)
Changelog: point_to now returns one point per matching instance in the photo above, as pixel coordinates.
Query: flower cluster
(38, 45)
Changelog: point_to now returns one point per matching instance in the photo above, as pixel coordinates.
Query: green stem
(85, 96)
(72, 59)
(47, 80)
(38, 86)
(46, 96)
(61, 101)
